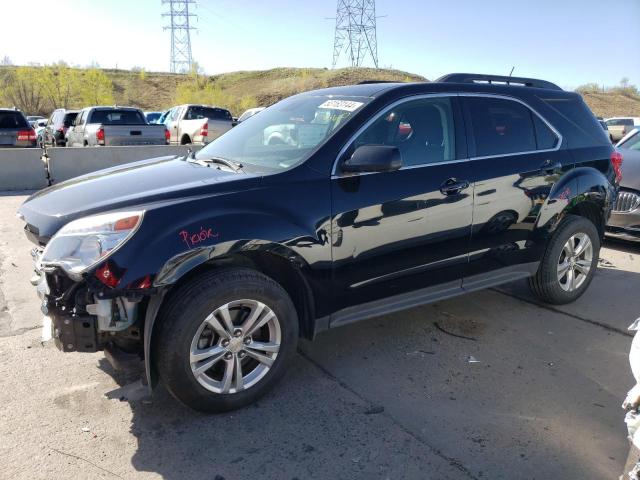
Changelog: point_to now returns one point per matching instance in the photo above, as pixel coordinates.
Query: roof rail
(480, 78)
(368, 82)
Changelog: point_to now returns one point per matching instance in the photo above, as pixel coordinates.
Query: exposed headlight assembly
(82, 243)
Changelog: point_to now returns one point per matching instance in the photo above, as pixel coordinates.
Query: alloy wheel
(574, 263)
(235, 346)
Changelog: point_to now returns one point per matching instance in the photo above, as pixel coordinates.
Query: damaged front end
(85, 309)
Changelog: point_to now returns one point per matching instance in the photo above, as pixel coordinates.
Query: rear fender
(580, 185)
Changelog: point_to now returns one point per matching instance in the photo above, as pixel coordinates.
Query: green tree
(24, 88)
(96, 88)
(61, 84)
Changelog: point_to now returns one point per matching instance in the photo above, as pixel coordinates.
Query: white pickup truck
(114, 126)
(197, 123)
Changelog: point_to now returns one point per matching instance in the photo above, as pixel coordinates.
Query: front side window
(501, 126)
(422, 130)
(285, 134)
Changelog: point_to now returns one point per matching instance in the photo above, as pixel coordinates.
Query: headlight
(81, 244)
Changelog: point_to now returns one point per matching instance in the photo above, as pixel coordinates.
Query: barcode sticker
(346, 105)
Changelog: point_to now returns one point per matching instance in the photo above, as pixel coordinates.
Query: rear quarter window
(69, 118)
(13, 120)
(576, 122)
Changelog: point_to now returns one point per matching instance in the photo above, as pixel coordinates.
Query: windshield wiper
(235, 166)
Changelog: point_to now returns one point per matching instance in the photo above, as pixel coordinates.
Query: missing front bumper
(73, 333)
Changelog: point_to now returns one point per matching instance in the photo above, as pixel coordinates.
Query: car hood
(630, 169)
(154, 181)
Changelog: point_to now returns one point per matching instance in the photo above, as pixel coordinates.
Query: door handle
(549, 166)
(453, 186)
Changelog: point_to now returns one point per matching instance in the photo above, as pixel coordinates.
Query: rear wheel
(225, 339)
(569, 263)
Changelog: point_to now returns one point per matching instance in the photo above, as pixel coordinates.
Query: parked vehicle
(249, 113)
(197, 123)
(163, 116)
(212, 265)
(32, 119)
(39, 129)
(604, 127)
(625, 218)
(152, 117)
(115, 126)
(619, 126)
(59, 122)
(15, 130)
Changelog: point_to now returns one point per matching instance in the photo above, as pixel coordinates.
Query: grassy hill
(269, 86)
(240, 90)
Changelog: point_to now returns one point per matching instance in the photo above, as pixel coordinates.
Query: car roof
(459, 82)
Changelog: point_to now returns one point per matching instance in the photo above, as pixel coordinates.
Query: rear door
(406, 230)
(514, 162)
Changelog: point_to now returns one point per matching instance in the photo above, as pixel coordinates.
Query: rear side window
(13, 120)
(546, 139)
(196, 113)
(118, 117)
(501, 126)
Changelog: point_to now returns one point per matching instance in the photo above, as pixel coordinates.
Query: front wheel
(225, 339)
(569, 263)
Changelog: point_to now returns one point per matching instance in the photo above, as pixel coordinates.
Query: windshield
(285, 134)
(633, 142)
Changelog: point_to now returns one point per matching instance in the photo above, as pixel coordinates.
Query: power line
(180, 25)
(356, 31)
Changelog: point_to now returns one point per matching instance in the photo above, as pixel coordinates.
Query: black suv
(376, 198)
(59, 122)
(15, 130)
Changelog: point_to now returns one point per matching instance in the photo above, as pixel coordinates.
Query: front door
(406, 230)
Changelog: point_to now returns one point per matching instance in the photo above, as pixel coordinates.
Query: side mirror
(373, 158)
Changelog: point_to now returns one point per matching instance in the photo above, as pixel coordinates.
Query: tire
(182, 330)
(549, 284)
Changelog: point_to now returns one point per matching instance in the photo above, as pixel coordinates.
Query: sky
(569, 42)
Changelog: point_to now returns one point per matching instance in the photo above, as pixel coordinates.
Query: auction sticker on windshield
(346, 105)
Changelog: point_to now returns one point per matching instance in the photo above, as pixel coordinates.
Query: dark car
(15, 130)
(625, 218)
(59, 122)
(378, 198)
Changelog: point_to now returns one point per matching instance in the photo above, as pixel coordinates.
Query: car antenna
(511, 72)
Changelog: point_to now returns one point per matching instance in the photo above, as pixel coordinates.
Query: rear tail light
(616, 163)
(61, 129)
(167, 136)
(27, 135)
(204, 131)
(100, 135)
